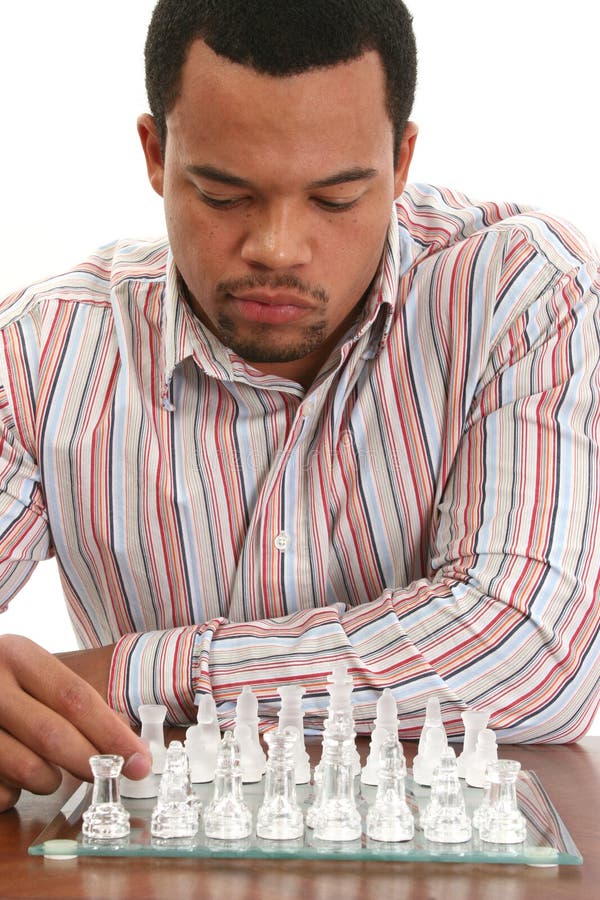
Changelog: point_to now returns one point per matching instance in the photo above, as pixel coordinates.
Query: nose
(276, 239)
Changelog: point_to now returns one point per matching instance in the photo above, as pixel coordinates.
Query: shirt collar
(185, 336)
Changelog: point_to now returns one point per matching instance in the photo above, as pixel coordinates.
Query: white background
(507, 106)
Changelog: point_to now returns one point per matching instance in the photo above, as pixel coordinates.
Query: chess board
(548, 842)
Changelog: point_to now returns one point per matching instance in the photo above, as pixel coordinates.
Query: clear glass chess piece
(106, 818)
(340, 685)
(336, 817)
(446, 821)
(176, 812)
(227, 817)
(280, 817)
(386, 723)
(389, 818)
(291, 716)
(503, 823)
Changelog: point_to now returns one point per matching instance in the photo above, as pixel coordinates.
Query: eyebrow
(357, 173)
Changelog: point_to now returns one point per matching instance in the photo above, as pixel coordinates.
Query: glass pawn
(280, 817)
(106, 818)
(176, 812)
(390, 819)
(227, 817)
(486, 752)
(336, 816)
(503, 823)
(386, 725)
(202, 741)
(446, 820)
(475, 720)
(245, 732)
(431, 747)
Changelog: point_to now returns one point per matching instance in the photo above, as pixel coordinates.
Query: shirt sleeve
(509, 618)
(24, 532)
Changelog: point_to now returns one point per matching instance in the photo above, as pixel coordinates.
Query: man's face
(277, 196)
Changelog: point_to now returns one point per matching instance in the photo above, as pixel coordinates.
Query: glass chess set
(223, 796)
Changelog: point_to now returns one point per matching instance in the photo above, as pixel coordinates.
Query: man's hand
(52, 718)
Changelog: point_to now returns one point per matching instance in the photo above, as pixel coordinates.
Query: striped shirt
(428, 511)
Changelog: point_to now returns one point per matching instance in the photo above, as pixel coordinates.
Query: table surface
(570, 774)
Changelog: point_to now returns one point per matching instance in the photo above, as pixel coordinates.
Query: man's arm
(506, 616)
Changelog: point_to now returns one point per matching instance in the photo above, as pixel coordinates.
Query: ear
(152, 151)
(405, 155)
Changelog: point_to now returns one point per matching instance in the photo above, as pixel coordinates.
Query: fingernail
(137, 766)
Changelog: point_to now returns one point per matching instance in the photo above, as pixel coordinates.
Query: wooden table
(570, 774)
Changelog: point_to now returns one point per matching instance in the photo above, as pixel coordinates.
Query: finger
(8, 796)
(48, 735)
(20, 767)
(92, 726)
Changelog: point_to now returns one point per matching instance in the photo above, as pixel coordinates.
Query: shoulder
(91, 281)
(437, 220)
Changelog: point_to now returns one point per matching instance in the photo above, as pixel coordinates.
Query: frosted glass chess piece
(202, 740)
(141, 789)
(447, 821)
(291, 716)
(245, 732)
(503, 823)
(106, 819)
(176, 812)
(475, 720)
(340, 699)
(227, 817)
(152, 717)
(386, 725)
(336, 816)
(432, 741)
(390, 819)
(280, 817)
(486, 752)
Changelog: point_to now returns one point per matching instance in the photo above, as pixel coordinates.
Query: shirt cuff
(161, 667)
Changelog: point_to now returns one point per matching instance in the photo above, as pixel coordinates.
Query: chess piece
(386, 724)
(336, 817)
(253, 758)
(432, 741)
(503, 823)
(227, 817)
(475, 721)
(390, 819)
(106, 819)
(340, 693)
(202, 740)
(152, 717)
(291, 716)
(446, 820)
(486, 751)
(176, 812)
(280, 817)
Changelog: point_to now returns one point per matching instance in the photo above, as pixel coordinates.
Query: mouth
(273, 308)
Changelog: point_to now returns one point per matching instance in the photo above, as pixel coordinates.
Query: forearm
(91, 665)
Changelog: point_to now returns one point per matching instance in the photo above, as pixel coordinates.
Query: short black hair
(282, 37)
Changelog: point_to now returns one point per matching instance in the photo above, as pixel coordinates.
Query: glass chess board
(548, 842)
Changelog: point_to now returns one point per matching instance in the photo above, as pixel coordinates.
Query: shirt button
(282, 541)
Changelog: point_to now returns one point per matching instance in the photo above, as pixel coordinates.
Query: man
(314, 426)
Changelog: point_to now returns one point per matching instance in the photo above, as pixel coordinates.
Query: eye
(219, 202)
(336, 205)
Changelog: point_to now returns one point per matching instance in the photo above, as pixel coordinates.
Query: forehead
(235, 109)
